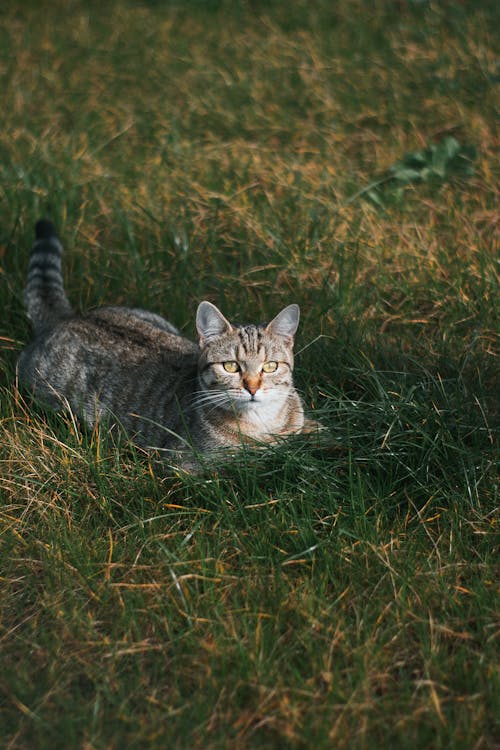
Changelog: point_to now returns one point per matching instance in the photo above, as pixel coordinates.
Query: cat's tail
(44, 294)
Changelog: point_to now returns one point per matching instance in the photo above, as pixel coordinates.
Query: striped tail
(44, 295)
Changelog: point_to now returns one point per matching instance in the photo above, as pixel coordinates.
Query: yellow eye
(270, 366)
(231, 366)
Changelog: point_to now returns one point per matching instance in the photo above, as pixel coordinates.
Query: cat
(131, 367)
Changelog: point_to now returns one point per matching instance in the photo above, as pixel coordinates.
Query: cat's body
(133, 368)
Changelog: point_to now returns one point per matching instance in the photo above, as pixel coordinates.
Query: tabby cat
(131, 367)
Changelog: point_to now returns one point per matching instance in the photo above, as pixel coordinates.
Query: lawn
(339, 593)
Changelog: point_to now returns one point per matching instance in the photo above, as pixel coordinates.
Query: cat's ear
(286, 322)
(210, 322)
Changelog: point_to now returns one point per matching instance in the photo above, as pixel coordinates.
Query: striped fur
(44, 296)
(132, 368)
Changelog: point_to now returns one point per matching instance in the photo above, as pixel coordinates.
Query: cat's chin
(252, 404)
(244, 404)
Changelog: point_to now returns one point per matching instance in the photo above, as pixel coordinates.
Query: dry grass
(340, 595)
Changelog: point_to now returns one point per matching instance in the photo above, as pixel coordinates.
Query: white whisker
(211, 398)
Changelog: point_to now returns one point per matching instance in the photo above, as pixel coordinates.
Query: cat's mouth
(237, 400)
(247, 402)
(244, 400)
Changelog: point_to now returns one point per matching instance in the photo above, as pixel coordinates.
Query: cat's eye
(270, 366)
(231, 366)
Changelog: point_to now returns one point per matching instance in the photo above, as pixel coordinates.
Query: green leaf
(438, 162)
(407, 174)
(374, 196)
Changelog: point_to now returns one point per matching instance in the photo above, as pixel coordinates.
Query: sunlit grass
(331, 593)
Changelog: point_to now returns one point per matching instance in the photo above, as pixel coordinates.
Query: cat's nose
(252, 385)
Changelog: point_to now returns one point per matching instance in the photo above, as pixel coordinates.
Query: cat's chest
(260, 419)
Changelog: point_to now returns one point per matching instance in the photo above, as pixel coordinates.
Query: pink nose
(251, 386)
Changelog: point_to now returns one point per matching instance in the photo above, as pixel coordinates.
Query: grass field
(339, 155)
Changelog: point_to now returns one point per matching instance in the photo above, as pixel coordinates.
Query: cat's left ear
(210, 322)
(286, 322)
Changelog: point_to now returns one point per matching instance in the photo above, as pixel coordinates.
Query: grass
(339, 595)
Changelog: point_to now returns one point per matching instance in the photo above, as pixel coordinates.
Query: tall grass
(331, 594)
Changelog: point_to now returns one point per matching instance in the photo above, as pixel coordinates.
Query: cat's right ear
(210, 322)
(286, 322)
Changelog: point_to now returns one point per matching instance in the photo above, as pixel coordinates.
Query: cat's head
(245, 366)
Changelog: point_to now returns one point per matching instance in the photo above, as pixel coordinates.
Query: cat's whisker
(209, 398)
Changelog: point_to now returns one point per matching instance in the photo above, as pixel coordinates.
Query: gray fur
(131, 367)
(44, 295)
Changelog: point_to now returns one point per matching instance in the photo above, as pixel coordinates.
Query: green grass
(331, 595)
